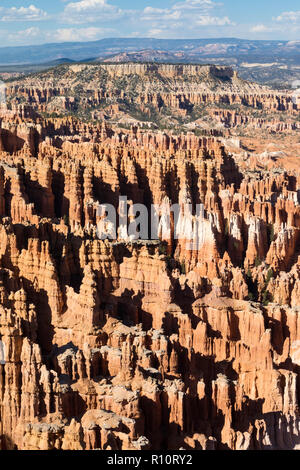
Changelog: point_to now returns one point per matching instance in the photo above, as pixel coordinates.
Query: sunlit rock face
(188, 341)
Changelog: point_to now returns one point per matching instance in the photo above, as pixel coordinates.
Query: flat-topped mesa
(146, 90)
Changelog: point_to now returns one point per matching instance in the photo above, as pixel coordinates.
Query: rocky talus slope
(144, 344)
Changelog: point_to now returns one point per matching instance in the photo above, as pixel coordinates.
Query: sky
(25, 22)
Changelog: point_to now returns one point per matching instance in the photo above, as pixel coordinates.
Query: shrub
(183, 268)
(258, 262)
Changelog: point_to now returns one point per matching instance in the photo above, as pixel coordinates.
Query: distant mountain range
(264, 61)
(227, 48)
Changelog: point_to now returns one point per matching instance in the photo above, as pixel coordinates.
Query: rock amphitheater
(140, 344)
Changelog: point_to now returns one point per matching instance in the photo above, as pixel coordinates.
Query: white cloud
(288, 17)
(260, 28)
(287, 24)
(206, 20)
(195, 4)
(163, 14)
(31, 13)
(189, 12)
(25, 36)
(83, 20)
(80, 34)
(35, 35)
(90, 11)
(155, 32)
(195, 12)
(183, 17)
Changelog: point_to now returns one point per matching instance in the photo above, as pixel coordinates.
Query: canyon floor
(149, 344)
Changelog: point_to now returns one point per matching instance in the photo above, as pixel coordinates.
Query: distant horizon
(31, 23)
(219, 50)
(150, 39)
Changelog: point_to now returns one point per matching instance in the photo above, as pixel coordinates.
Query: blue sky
(25, 22)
